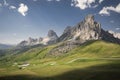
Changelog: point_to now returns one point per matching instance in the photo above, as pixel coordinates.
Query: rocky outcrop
(88, 29)
(49, 39)
(106, 36)
(66, 34)
(29, 42)
(115, 34)
(64, 47)
(84, 31)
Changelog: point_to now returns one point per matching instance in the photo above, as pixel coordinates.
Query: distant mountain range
(5, 46)
(86, 30)
(49, 39)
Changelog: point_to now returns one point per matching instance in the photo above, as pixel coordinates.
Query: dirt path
(93, 58)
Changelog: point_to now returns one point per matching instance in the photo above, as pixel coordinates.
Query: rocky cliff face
(116, 35)
(49, 39)
(109, 37)
(29, 42)
(88, 29)
(84, 31)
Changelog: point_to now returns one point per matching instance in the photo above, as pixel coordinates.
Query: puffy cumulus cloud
(106, 10)
(12, 7)
(23, 9)
(83, 4)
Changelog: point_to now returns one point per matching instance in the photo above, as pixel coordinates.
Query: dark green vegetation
(94, 60)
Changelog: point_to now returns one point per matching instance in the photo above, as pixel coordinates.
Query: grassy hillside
(94, 60)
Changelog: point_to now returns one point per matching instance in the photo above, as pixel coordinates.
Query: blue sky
(20, 19)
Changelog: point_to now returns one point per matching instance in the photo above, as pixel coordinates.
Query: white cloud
(58, 0)
(95, 6)
(34, 0)
(100, 1)
(49, 0)
(5, 3)
(23, 9)
(117, 28)
(53, 0)
(83, 4)
(106, 10)
(12, 7)
(0, 4)
(111, 21)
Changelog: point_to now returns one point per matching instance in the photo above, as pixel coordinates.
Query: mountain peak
(51, 33)
(87, 29)
(89, 18)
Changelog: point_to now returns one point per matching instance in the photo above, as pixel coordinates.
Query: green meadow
(94, 60)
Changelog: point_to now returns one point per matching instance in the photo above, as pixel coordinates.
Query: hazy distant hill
(5, 46)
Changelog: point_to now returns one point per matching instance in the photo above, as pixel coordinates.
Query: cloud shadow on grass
(99, 72)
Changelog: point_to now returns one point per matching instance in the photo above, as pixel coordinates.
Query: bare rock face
(23, 43)
(109, 37)
(50, 38)
(32, 41)
(66, 34)
(88, 29)
(115, 34)
(40, 39)
(51, 33)
(29, 42)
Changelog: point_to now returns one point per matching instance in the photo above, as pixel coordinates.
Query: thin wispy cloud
(117, 28)
(111, 21)
(34, 0)
(0, 4)
(100, 1)
(106, 10)
(12, 7)
(5, 3)
(53, 0)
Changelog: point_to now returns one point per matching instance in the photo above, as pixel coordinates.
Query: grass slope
(95, 60)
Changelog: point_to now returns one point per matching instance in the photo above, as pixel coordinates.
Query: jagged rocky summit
(49, 39)
(86, 30)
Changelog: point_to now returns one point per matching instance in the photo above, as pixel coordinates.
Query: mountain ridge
(86, 30)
